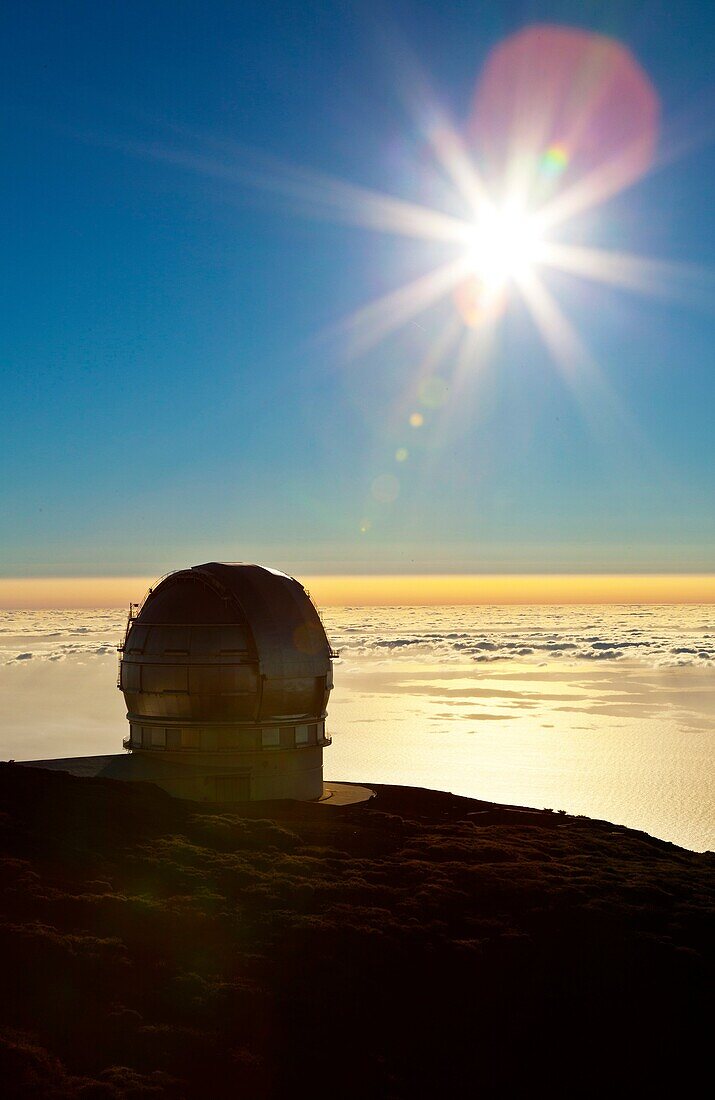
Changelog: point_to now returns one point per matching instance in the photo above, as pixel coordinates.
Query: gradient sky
(177, 385)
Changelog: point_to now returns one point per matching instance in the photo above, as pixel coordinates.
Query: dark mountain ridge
(416, 945)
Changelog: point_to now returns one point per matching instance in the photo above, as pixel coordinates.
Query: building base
(199, 783)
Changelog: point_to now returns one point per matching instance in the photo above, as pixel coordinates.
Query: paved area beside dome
(345, 794)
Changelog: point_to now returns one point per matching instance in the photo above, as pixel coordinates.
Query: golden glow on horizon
(392, 591)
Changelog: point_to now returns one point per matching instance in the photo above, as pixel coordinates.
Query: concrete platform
(137, 769)
(344, 794)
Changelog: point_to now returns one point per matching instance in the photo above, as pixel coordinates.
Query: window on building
(287, 737)
(191, 739)
(270, 738)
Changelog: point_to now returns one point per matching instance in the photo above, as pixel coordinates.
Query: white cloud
(672, 635)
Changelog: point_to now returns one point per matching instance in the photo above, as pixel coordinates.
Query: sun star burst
(543, 146)
(503, 245)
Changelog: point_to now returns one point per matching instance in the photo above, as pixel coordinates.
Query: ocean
(603, 711)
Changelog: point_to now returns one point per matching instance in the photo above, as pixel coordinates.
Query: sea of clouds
(604, 711)
(58, 635)
(656, 635)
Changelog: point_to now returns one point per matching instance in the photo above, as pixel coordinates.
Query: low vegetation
(417, 945)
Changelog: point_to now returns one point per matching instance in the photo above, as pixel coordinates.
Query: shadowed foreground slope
(417, 945)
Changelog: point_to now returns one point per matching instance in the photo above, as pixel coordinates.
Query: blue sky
(177, 381)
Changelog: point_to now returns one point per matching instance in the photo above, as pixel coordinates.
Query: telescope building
(226, 671)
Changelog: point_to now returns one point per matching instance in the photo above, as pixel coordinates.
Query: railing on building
(128, 744)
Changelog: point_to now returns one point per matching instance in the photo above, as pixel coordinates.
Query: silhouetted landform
(417, 945)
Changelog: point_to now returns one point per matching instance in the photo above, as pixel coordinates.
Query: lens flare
(416, 420)
(554, 161)
(477, 303)
(433, 392)
(385, 488)
(579, 95)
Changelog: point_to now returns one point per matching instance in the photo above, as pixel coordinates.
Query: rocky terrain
(417, 945)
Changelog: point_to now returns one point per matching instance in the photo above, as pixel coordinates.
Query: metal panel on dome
(216, 641)
(289, 636)
(182, 599)
(167, 639)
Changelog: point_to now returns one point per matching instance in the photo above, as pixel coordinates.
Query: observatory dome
(226, 671)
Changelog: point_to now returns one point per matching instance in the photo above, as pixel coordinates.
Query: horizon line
(392, 589)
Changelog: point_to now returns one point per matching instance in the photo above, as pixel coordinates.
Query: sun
(504, 245)
(542, 146)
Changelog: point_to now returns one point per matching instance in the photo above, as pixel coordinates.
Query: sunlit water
(608, 712)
